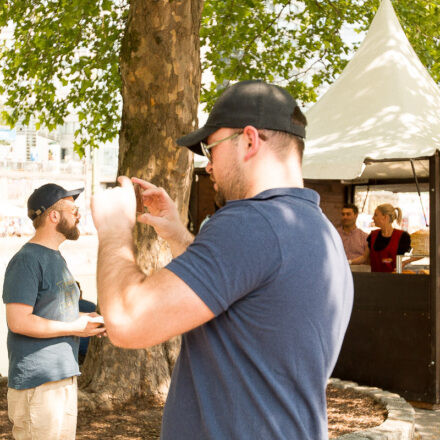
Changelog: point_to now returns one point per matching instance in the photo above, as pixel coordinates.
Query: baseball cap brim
(74, 193)
(192, 140)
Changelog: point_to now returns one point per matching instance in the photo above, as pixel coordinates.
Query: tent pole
(418, 190)
(434, 271)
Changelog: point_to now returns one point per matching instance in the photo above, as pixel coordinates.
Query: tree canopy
(64, 55)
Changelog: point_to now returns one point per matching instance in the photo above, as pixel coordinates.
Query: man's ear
(250, 136)
(54, 216)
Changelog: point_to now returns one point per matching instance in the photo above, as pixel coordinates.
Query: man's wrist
(110, 232)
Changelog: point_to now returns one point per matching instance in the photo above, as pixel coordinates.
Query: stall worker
(385, 243)
(353, 238)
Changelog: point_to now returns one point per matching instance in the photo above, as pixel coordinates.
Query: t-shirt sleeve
(404, 243)
(21, 280)
(236, 252)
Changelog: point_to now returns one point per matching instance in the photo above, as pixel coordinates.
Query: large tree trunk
(160, 68)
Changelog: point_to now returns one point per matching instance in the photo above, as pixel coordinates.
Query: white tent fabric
(384, 105)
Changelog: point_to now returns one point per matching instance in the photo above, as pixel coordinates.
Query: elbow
(118, 337)
(118, 330)
(124, 334)
(14, 327)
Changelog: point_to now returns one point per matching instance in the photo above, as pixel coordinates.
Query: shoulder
(401, 233)
(25, 256)
(238, 215)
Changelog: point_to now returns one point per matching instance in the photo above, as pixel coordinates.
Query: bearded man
(44, 323)
(262, 295)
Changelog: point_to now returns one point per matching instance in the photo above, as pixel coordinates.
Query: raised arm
(21, 320)
(139, 311)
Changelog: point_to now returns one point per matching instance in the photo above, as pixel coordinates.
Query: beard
(70, 232)
(233, 186)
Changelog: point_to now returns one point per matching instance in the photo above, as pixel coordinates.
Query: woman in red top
(386, 243)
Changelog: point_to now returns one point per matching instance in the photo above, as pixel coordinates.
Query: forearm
(117, 274)
(37, 327)
(363, 259)
(358, 260)
(178, 246)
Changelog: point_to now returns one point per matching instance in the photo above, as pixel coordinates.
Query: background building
(30, 158)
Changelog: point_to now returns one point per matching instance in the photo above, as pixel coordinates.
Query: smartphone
(139, 202)
(97, 319)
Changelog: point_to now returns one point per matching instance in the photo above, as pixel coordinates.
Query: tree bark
(160, 68)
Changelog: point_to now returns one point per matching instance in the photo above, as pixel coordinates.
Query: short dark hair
(279, 139)
(40, 220)
(352, 207)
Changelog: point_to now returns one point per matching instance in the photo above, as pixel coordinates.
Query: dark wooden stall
(201, 202)
(393, 339)
(388, 343)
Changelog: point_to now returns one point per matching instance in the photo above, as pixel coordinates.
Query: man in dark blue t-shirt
(262, 295)
(44, 324)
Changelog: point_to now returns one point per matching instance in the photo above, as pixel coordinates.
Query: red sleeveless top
(384, 260)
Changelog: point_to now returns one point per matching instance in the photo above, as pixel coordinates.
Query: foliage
(299, 44)
(64, 56)
(421, 22)
(74, 45)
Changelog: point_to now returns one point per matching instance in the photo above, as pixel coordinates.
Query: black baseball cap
(47, 195)
(252, 102)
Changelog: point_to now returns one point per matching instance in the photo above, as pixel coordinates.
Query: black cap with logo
(253, 102)
(47, 195)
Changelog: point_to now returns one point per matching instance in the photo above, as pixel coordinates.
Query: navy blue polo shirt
(274, 272)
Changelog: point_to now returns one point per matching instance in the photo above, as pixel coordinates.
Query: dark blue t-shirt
(274, 272)
(39, 277)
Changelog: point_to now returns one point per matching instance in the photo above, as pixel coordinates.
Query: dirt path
(347, 412)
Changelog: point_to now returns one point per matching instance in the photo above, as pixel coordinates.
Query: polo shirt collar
(302, 193)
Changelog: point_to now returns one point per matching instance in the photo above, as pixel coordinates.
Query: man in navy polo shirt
(262, 295)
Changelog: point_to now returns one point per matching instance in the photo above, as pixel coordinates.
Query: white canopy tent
(384, 107)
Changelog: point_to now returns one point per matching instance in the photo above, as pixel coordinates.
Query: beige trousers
(47, 412)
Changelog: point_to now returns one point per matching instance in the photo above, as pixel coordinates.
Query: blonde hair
(393, 213)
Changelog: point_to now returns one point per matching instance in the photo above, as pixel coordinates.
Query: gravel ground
(348, 411)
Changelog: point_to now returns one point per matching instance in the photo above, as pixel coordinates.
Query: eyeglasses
(205, 147)
(74, 210)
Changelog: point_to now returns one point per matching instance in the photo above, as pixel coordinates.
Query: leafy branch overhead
(64, 55)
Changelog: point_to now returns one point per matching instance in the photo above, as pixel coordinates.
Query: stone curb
(400, 422)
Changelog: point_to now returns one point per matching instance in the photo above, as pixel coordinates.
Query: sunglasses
(74, 210)
(206, 147)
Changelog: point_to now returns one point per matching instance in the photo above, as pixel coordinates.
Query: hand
(83, 328)
(115, 209)
(93, 315)
(163, 214)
